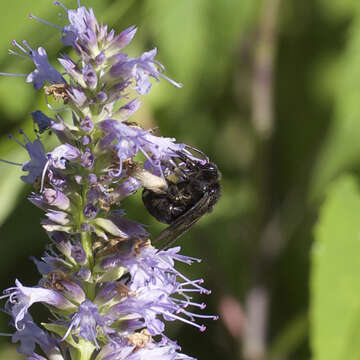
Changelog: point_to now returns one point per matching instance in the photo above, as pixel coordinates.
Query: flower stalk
(108, 290)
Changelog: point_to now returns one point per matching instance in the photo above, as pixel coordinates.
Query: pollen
(140, 339)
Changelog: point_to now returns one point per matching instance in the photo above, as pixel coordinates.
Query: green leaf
(56, 329)
(335, 280)
(82, 349)
(109, 227)
(112, 275)
(336, 79)
(9, 352)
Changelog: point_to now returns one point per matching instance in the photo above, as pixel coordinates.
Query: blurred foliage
(261, 232)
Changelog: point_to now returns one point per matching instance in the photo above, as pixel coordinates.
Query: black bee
(193, 189)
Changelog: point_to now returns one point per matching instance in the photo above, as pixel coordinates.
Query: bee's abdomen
(161, 207)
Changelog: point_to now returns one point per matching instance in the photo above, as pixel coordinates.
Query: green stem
(86, 243)
(85, 235)
(87, 246)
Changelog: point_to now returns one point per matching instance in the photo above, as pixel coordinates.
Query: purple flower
(92, 179)
(87, 159)
(78, 254)
(50, 197)
(126, 188)
(62, 242)
(55, 271)
(82, 31)
(86, 124)
(35, 356)
(98, 194)
(127, 110)
(86, 321)
(132, 228)
(84, 274)
(102, 97)
(155, 280)
(90, 77)
(56, 198)
(22, 297)
(100, 58)
(53, 263)
(90, 211)
(121, 40)
(63, 153)
(30, 335)
(43, 122)
(154, 352)
(146, 306)
(70, 289)
(140, 69)
(38, 160)
(146, 351)
(130, 140)
(44, 71)
(42, 267)
(72, 69)
(77, 95)
(62, 130)
(86, 140)
(58, 217)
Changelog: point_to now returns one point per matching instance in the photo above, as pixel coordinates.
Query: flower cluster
(109, 291)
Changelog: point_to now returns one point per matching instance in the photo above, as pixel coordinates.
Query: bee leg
(176, 169)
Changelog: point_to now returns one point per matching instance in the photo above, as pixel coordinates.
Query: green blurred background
(272, 94)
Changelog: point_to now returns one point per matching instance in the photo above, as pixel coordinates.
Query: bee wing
(184, 222)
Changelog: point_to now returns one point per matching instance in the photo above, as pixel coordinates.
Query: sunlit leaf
(9, 352)
(338, 79)
(335, 282)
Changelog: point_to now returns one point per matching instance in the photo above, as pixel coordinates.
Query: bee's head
(209, 172)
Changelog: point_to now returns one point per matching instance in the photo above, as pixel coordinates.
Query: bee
(193, 189)
(58, 91)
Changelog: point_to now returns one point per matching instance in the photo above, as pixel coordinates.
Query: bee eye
(208, 166)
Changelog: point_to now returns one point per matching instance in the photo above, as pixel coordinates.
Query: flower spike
(110, 293)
